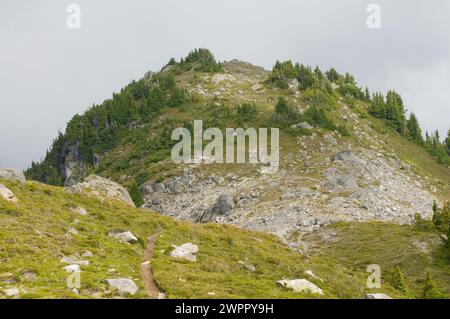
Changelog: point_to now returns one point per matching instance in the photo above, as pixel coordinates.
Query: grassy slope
(357, 245)
(33, 238)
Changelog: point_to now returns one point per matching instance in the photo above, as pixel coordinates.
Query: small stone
(87, 254)
(301, 285)
(11, 292)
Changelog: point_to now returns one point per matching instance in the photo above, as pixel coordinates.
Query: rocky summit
(356, 186)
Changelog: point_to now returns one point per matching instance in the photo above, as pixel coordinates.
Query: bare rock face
(7, 194)
(11, 174)
(102, 187)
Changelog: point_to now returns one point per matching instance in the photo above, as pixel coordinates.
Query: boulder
(123, 285)
(11, 174)
(79, 210)
(377, 296)
(102, 187)
(11, 292)
(345, 156)
(126, 237)
(186, 251)
(224, 205)
(7, 194)
(303, 125)
(301, 285)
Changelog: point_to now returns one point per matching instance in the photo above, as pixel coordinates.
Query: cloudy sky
(49, 72)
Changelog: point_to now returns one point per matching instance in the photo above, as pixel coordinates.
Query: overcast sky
(49, 72)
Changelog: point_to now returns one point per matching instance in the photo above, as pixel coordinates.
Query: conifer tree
(413, 129)
(398, 280)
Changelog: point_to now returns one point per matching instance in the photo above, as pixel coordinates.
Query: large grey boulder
(186, 251)
(301, 285)
(224, 205)
(102, 187)
(123, 285)
(7, 194)
(11, 174)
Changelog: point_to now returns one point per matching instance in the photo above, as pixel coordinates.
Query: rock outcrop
(102, 187)
(11, 174)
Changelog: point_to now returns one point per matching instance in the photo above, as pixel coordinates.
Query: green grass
(357, 245)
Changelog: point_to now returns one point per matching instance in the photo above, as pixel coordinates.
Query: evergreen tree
(447, 142)
(413, 129)
(332, 75)
(430, 289)
(398, 280)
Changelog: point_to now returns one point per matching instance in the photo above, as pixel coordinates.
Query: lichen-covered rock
(11, 174)
(102, 187)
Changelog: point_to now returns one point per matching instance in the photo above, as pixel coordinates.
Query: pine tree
(398, 280)
(430, 290)
(447, 142)
(413, 129)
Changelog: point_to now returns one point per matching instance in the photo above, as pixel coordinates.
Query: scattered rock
(11, 174)
(123, 285)
(72, 231)
(303, 125)
(99, 186)
(126, 237)
(11, 292)
(186, 251)
(301, 285)
(79, 210)
(377, 296)
(87, 254)
(7, 194)
(249, 267)
(345, 156)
